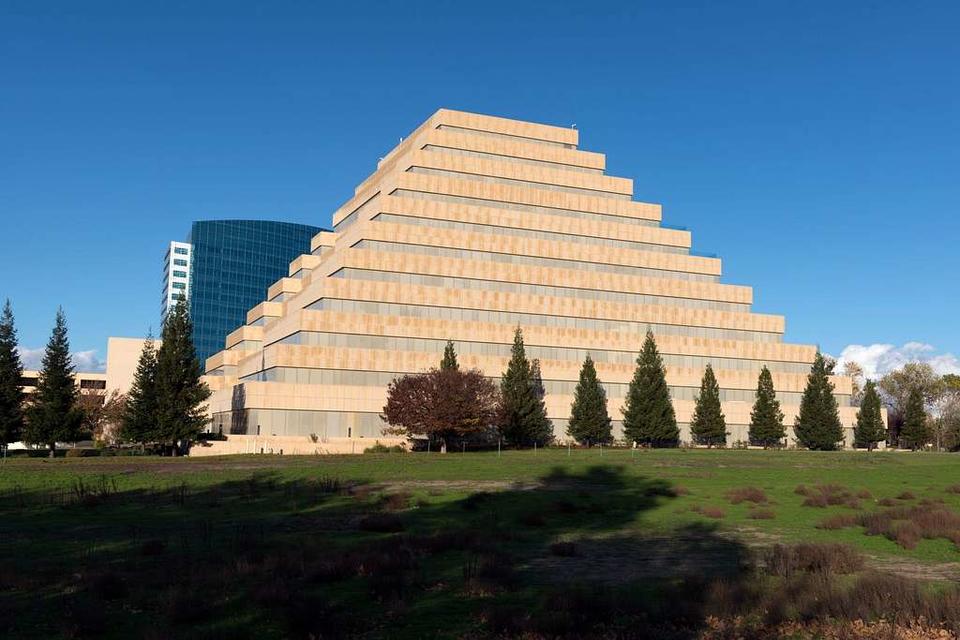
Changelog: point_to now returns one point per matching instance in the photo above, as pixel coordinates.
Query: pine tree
(523, 420)
(589, 420)
(708, 425)
(818, 425)
(181, 414)
(54, 414)
(648, 415)
(449, 358)
(539, 426)
(11, 372)
(766, 419)
(140, 416)
(869, 429)
(914, 433)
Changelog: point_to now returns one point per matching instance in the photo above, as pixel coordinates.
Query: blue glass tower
(231, 265)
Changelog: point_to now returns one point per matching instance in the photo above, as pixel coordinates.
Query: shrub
(887, 502)
(784, 560)
(396, 501)
(863, 494)
(712, 512)
(825, 495)
(761, 513)
(533, 520)
(954, 488)
(906, 495)
(379, 447)
(747, 494)
(381, 523)
(564, 549)
(475, 500)
(838, 521)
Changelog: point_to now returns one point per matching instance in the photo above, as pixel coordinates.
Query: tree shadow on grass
(319, 557)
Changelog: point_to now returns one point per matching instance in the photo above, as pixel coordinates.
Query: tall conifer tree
(648, 415)
(54, 414)
(11, 372)
(523, 420)
(818, 425)
(869, 429)
(914, 433)
(708, 425)
(449, 358)
(766, 418)
(589, 420)
(140, 415)
(181, 413)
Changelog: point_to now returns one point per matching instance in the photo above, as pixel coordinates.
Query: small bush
(954, 488)
(533, 520)
(825, 495)
(816, 500)
(838, 521)
(564, 549)
(712, 512)
(680, 490)
(863, 494)
(381, 523)
(887, 502)
(475, 500)
(379, 447)
(802, 490)
(761, 513)
(747, 494)
(153, 548)
(396, 501)
(906, 495)
(784, 560)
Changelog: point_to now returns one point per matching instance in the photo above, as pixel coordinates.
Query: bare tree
(855, 372)
(102, 413)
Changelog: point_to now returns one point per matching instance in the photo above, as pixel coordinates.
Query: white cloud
(880, 359)
(82, 360)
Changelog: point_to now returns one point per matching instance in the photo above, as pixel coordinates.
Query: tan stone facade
(472, 226)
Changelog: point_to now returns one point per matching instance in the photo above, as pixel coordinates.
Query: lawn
(414, 545)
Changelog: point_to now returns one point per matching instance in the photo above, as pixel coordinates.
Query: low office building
(474, 225)
(223, 269)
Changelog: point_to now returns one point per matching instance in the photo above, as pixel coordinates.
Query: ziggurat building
(472, 226)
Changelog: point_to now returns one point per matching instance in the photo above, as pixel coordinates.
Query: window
(180, 262)
(177, 296)
(93, 384)
(180, 250)
(179, 285)
(28, 382)
(180, 274)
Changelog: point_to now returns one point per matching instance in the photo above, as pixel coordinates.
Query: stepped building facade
(474, 225)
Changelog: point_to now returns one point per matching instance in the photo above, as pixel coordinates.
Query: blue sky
(814, 146)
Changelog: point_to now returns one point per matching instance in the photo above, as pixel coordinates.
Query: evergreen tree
(140, 416)
(766, 419)
(54, 414)
(181, 414)
(648, 416)
(11, 372)
(914, 433)
(523, 415)
(869, 429)
(539, 426)
(589, 420)
(708, 425)
(818, 425)
(449, 358)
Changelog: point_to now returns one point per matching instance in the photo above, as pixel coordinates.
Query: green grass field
(253, 546)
